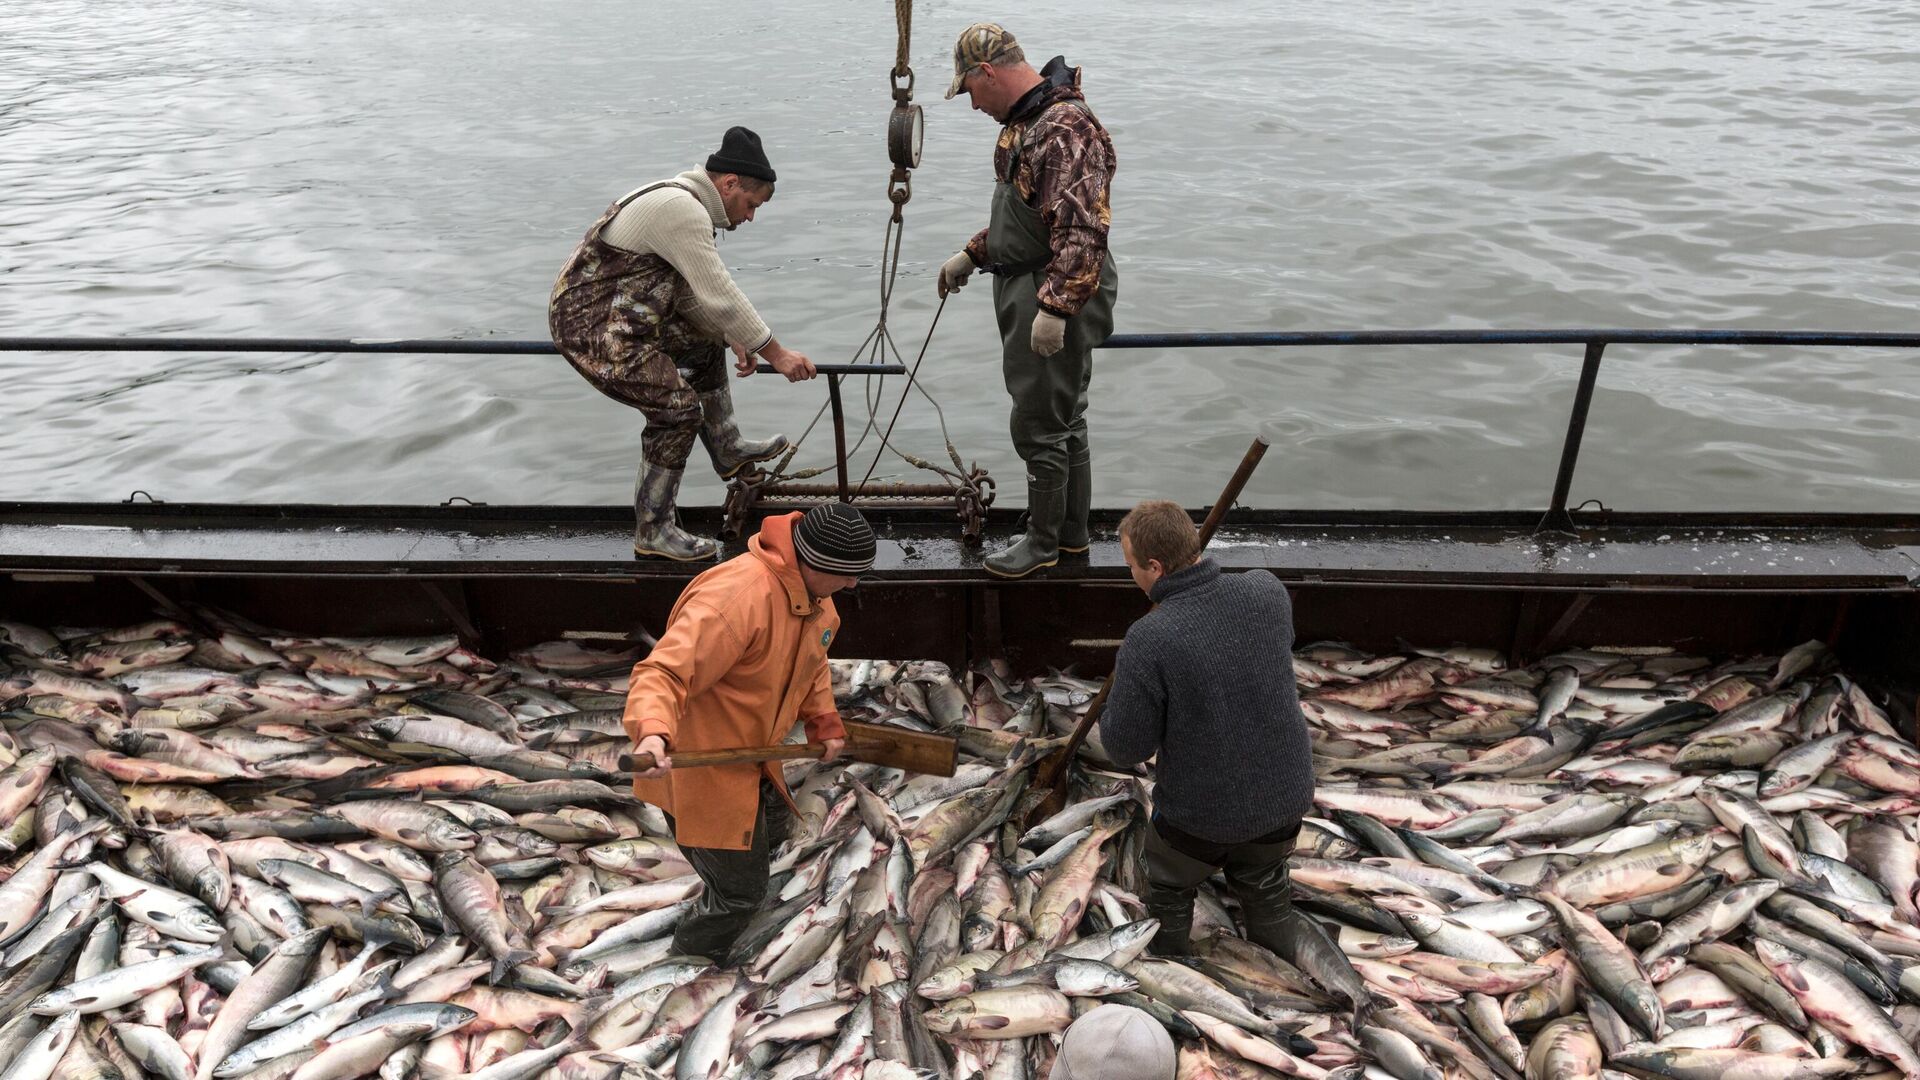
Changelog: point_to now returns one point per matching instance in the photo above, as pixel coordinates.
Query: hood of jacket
(773, 546)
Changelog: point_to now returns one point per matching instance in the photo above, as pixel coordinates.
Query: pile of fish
(1620, 860)
(236, 852)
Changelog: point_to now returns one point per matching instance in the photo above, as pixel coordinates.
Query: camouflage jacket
(1063, 168)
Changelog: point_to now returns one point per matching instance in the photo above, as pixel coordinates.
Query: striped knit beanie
(834, 539)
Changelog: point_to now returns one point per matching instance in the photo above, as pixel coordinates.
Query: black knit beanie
(833, 538)
(741, 155)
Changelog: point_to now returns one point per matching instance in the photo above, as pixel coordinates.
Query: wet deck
(1659, 552)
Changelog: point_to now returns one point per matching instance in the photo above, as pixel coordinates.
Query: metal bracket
(1556, 518)
(743, 494)
(970, 497)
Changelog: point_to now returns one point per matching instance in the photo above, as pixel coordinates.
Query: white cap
(1115, 1042)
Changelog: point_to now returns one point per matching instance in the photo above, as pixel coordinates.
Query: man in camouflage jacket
(1054, 279)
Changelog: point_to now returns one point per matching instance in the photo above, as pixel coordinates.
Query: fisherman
(643, 310)
(1204, 682)
(743, 657)
(1115, 1042)
(1054, 280)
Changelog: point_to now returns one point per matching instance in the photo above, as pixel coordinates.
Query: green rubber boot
(1040, 548)
(1075, 537)
(656, 527)
(731, 451)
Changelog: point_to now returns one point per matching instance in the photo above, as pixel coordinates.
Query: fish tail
(514, 958)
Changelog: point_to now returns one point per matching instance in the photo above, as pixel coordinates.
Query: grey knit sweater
(1206, 681)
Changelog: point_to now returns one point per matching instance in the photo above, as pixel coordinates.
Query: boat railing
(1556, 518)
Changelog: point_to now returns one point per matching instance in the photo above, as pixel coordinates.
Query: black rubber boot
(656, 530)
(1301, 941)
(733, 883)
(1040, 547)
(1075, 537)
(1174, 909)
(1173, 880)
(721, 436)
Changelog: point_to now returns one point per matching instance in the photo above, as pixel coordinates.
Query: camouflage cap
(981, 43)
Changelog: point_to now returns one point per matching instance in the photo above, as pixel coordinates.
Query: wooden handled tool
(1051, 773)
(879, 744)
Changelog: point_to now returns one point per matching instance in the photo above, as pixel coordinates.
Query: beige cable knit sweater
(680, 228)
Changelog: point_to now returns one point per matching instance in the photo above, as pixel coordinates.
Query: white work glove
(1049, 333)
(954, 273)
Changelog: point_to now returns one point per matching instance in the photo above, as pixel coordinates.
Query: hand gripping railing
(1556, 518)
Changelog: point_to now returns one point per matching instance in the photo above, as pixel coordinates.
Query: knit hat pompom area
(834, 538)
(740, 153)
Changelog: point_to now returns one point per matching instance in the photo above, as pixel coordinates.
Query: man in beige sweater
(645, 310)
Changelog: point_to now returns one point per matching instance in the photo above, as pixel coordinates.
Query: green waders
(1049, 393)
(1256, 873)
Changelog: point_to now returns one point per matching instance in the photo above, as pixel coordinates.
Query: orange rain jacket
(743, 658)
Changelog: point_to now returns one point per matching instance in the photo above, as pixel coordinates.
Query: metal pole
(839, 436)
(1557, 519)
(1210, 340)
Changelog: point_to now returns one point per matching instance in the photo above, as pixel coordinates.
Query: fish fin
(1504, 888)
(513, 959)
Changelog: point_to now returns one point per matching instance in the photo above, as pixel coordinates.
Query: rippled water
(354, 168)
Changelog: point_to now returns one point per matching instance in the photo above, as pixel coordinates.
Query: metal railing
(1556, 518)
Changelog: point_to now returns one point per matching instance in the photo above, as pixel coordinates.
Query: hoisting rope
(879, 343)
(903, 20)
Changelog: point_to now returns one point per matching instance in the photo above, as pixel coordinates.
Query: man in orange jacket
(743, 658)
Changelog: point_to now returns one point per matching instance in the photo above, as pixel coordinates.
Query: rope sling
(879, 347)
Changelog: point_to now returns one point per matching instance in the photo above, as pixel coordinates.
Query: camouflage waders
(615, 316)
(1049, 422)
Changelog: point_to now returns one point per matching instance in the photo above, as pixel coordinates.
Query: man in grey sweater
(645, 310)
(1205, 681)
